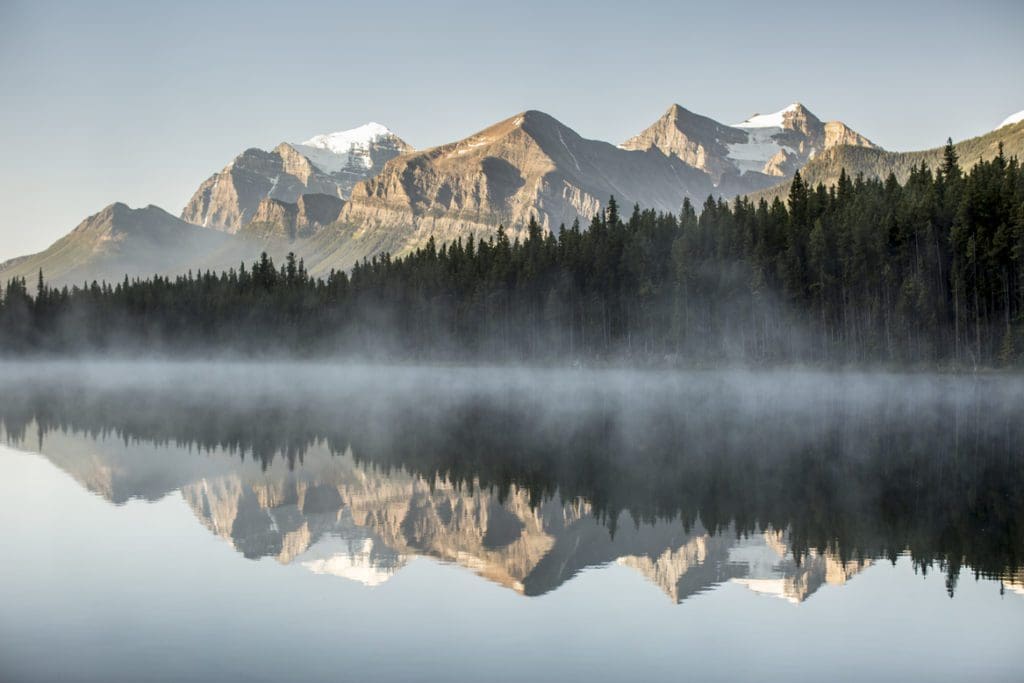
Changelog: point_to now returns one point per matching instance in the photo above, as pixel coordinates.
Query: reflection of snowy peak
(362, 560)
(771, 569)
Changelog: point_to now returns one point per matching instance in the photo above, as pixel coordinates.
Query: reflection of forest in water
(780, 481)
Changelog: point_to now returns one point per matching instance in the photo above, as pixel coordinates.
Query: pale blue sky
(141, 101)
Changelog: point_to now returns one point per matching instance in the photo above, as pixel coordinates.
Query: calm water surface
(303, 522)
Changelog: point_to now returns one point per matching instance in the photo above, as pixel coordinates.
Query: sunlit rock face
(773, 569)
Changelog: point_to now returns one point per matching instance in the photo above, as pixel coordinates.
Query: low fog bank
(794, 406)
(547, 388)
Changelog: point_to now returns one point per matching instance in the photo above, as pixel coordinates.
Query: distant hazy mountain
(325, 164)
(119, 241)
(878, 163)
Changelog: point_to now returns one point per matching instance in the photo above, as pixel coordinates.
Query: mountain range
(337, 198)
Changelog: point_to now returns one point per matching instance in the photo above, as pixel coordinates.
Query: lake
(269, 521)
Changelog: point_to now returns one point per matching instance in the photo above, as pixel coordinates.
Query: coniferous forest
(867, 271)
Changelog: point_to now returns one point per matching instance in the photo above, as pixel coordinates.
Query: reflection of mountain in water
(783, 482)
(334, 516)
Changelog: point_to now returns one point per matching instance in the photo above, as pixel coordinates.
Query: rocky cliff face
(229, 200)
(328, 164)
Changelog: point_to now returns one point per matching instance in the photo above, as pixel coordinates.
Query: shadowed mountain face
(780, 482)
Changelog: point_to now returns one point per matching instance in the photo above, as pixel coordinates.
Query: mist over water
(795, 486)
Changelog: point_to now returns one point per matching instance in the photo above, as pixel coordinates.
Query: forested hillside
(927, 272)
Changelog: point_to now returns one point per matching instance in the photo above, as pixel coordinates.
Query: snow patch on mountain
(356, 559)
(754, 154)
(1012, 119)
(342, 141)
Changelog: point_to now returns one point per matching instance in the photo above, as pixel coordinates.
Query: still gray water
(277, 522)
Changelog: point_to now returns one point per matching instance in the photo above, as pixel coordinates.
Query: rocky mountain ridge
(339, 198)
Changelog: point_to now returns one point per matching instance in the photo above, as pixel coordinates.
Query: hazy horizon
(117, 102)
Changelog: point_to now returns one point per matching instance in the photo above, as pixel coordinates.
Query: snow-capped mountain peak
(774, 120)
(353, 151)
(1012, 119)
(343, 141)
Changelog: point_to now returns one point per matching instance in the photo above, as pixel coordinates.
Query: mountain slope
(878, 163)
(117, 241)
(325, 164)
